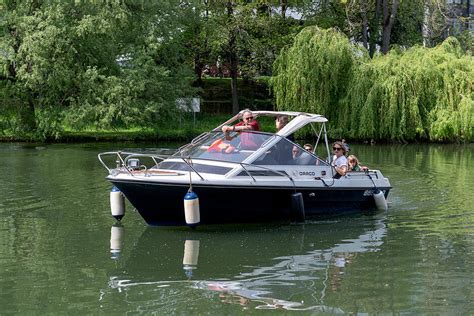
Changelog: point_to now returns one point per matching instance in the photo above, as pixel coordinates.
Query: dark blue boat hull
(162, 204)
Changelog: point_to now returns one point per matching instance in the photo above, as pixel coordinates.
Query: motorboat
(241, 177)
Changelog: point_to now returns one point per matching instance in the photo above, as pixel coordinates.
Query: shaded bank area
(178, 136)
(216, 95)
(182, 129)
(110, 136)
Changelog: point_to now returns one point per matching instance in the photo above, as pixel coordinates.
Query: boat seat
(304, 159)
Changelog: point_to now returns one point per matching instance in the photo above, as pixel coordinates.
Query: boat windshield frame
(297, 121)
(272, 149)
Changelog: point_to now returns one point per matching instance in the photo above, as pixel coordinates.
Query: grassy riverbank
(182, 129)
(179, 130)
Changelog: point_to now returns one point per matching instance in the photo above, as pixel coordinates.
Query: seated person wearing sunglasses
(247, 140)
(339, 160)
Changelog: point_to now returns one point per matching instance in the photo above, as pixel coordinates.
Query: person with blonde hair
(353, 163)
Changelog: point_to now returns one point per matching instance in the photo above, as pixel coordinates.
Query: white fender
(191, 209)
(380, 201)
(117, 203)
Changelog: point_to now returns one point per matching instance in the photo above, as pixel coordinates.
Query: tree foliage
(418, 94)
(312, 75)
(122, 64)
(367, 21)
(421, 93)
(90, 63)
(244, 37)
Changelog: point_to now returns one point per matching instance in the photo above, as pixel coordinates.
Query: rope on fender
(190, 178)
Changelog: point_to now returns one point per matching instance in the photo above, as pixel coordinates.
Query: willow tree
(312, 75)
(423, 93)
(419, 94)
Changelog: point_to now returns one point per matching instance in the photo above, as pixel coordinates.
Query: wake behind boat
(244, 176)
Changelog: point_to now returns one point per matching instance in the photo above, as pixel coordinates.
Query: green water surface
(56, 235)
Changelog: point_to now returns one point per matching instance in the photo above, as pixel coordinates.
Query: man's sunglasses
(249, 118)
(336, 148)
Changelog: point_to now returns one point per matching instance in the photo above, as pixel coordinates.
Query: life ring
(214, 146)
(219, 146)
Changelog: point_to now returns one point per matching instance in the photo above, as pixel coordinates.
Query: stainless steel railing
(122, 159)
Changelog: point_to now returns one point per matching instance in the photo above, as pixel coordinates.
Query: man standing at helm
(247, 140)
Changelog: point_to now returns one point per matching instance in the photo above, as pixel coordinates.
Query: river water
(56, 256)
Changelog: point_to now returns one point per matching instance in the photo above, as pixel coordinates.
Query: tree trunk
(365, 23)
(26, 111)
(26, 116)
(206, 4)
(233, 76)
(198, 66)
(16, 47)
(388, 20)
(426, 33)
(233, 62)
(374, 29)
(283, 8)
(468, 15)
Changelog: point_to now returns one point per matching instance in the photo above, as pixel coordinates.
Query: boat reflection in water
(116, 240)
(190, 257)
(276, 267)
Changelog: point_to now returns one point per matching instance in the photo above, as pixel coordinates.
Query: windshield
(285, 152)
(237, 147)
(233, 147)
